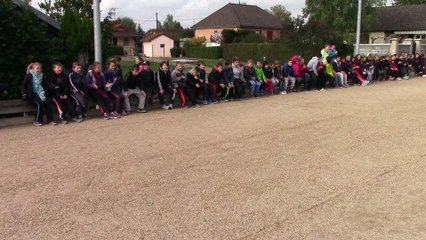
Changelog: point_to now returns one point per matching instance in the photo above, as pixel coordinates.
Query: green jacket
(259, 73)
(329, 69)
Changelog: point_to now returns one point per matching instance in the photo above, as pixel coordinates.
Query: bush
(196, 42)
(175, 52)
(112, 51)
(242, 36)
(204, 52)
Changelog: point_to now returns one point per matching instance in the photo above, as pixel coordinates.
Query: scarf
(37, 87)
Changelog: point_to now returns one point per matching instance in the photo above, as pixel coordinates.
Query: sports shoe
(323, 89)
(424, 75)
(391, 78)
(63, 121)
(406, 78)
(52, 123)
(283, 92)
(115, 115)
(141, 110)
(205, 102)
(170, 106)
(399, 79)
(196, 106)
(38, 124)
(123, 113)
(107, 116)
(76, 119)
(165, 107)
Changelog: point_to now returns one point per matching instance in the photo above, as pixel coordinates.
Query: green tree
(56, 8)
(24, 39)
(283, 14)
(408, 2)
(170, 23)
(128, 23)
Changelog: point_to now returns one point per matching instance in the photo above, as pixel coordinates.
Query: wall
(132, 42)
(377, 38)
(379, 49)
(153, 49)
(208, 32)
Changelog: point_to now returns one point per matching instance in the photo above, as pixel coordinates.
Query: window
(126, 42)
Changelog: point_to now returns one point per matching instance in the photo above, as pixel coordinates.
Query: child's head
(34, 67)
(179, 66)
(146, 65)
(164, 66)
(235, 61)
(338, 58)
(250, 63)
(96, 67)
(343, 59)
(328, 59)
(135, 71)
(290, 63)
(194, 72)
(348, 58)
(117, 60)
(302, 61)
(258, 63)
(76, 67)
(201, 65)
(138, 60)
(327, 47)
(111, 64)
(265, 64)
(57, 67)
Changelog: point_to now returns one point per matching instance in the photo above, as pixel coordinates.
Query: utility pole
(358, 28)
(156, 20)
(97, 30)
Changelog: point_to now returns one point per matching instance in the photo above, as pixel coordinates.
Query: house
(158, 45)
(239, 17)
(402, 21)
(124, 37)
(53, 26)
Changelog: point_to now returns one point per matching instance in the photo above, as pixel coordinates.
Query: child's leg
(58, 105)
(270, 86)
(142, 98)
(252, 87)
(182, 96)
(257, 87)
(292, 82)
(105, 99)
(40, 105)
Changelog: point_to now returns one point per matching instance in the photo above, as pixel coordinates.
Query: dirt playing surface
(341, 164)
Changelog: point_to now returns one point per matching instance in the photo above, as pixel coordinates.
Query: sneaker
(424, 75)
(123, 113)
(63, 121)
(76, 119)
(283, 92)
(323, 89)
(406, 78)
(170, 106)
(165, 107)
(215, 101)
(196, 106)
(205, 102)
(391, 78)
(107, 116)
(115, 115)
(52, 123)
(399, 79)
(38, 124)
(143, 110)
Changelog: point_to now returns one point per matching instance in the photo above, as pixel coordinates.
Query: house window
(126, 42)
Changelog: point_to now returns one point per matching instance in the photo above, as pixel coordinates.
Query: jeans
(254, 87)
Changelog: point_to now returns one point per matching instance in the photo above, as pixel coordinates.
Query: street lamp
(97, 30)
(358, 28)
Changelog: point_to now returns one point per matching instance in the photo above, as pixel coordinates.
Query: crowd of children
(110, 90)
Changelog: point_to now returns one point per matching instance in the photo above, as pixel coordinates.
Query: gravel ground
(341, 164)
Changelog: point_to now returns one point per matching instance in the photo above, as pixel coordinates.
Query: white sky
(188, 12)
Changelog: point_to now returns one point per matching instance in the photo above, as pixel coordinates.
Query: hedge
(204, 52)
(269, 51)
(112, 51)
(175, 52)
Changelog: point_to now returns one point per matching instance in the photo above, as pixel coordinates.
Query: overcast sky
(188, 12)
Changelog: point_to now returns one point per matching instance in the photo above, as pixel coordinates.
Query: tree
(24, 39)
(170, 23)
(56, 8)
(283, 14)
(408, 2)
(128, 23)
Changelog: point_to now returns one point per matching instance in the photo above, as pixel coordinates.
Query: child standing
(76, 82)
(33, 91)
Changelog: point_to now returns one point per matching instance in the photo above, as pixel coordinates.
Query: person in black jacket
(78, 89)
(133, 85)
(193, 85)
(148, 81)
(33, 90)
(228, 77)
(217, 82)
(165, 84)
(58, 90)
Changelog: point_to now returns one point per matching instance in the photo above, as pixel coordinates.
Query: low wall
(376, 49)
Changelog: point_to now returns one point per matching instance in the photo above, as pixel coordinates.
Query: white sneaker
(399, 79)
(170, 106)
(323, 89)
(424, 75)
(406, 78)
(284, 93)
(165, 107)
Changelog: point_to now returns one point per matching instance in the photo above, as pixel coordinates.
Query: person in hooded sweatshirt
(133, 85)
(58, 90)
(95, 90)
(78, 90)
(113, 84)
(217, 81)
(269, 74)
(148, 81)
(166, 86)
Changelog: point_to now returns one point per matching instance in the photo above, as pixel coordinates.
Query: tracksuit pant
(207, 92)
(270, 86)
(64, 106)
(167, 91)
(240, 88)
(80, 102)
(117, 98)
(141, 96)
(100, 97)
(42, 108)
(288, 82)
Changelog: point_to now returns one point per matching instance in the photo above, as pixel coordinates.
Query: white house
(158, 45)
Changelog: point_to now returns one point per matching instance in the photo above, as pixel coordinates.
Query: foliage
(24, 39)
(56, 8)
(196, 42)
(204, 52)
(284, 15)
(129, 23)
(242, 36)
(408, 2)
(169, 23)
(112, 51)
(175, 52)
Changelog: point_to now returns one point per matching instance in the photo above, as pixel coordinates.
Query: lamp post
(358, 28)
(97, 30)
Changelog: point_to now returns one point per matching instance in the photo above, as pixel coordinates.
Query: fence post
(394, 46)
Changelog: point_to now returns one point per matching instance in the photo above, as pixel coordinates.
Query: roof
(121, 31)
(240, 16)
(400, 18)
(156, 35)
(45, 18)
